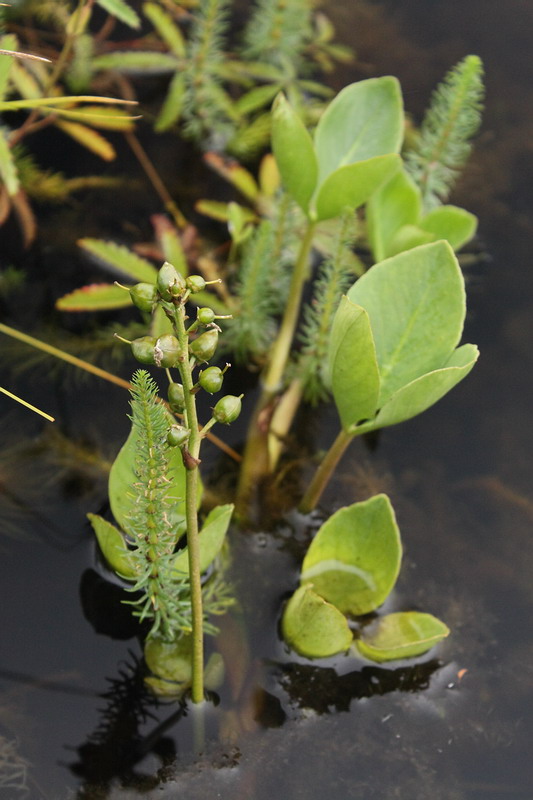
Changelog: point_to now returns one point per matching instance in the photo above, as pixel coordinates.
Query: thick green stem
(325, 471)
(255, 465)
(191, 514)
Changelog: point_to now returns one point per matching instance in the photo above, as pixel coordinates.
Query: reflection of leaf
(354, 560)
(96, 297)
(313, 627)
(402, 635)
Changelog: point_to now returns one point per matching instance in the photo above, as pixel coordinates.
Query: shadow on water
(75, 718)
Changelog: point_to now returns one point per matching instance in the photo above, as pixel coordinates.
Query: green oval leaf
(352, 364)
(403, 635)
(294, 152)
(454, 224)
(96, 297)
(416, 304)
(396, 203)
(313, 627)
(364, 120)
(170, 661)
(351, 186)
(354, 560)
(211, 539)
(113, 547)
(407, 238)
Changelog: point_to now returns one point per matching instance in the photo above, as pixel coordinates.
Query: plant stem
(191, 505)
(325, 471)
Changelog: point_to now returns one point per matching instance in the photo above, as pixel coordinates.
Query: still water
(456, 725)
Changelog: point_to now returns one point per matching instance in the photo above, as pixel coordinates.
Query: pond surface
(457, 724)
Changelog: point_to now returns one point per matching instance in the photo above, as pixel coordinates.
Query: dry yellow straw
(28, 405)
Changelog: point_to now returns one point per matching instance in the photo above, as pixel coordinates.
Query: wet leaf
(294, 152)
(120, 259)
(113, 547)
(350, 186)
(403, 635)
(352, 364)
(96, 297)
(354, 560)
(313, 627)
(211, 539)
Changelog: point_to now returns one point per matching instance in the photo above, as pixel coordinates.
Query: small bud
(167, 351)
(203, 348)
(170, 282)
(195, 283)
(227, 409)
(176, 397)
(211, 379)
(143, 295)
(206, 315)
(144, 349)
(177, 435)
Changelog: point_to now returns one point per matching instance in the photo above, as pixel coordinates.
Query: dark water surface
(456, 725)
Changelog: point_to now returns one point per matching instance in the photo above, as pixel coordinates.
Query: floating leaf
(416, 304)
(403, 635)
(113, 547)
(120, 259)
(396, 203)
(122, 11)
(96, 297)
(354, 560)
(170, 661)
(454, 224)
(350, 186)
(294, 152)
(352, 364)
(313, 627)
(211, 539)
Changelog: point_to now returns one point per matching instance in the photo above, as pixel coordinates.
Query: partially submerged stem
(325, 471)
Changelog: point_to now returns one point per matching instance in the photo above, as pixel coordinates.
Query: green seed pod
(143, 295)
(177, 435)
(167, 351)
(203, 348)
(206, 315)
(144, 349)
(176, 397)
(170, 282)
(195, 283)
(227, 409)
(211, 379)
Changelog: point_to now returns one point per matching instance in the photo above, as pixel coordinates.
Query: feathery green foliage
(278, 31)
(444, 142)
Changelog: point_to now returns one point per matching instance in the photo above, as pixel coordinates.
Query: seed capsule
(144, 349)
(203, 348)
(143, 295)
(206, 315)
(227, 409)
(176, 397)
(177, 435)
(167, 351)
(211, 379)
(170, 282)
(195, 283)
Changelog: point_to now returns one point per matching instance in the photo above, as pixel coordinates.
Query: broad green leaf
(454, 224)
(294, 152)
(122, 11)
(165, 27)
(88, 138)
(211, 539)
(170, 661)
(313, 627)
(396, 203)
(173, 104)
(364, 120)
(403, 635)
(119, 258)
(350, 186)
(352, 364)
(423, 392)
(354, 560)
(416, 304)
(8, 169)
(113, 547)
(96, 297)
(407, 238)
(137, 62)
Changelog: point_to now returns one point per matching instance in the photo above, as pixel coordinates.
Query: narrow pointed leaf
(350, 186)
(88, 138)
(422, 393)
(96, 297)
(313, 627)
(396, 203)
(122, 11)
(138, 62)
(294, 152)
(354, 560)
(169, 240)
(173, 104)
(454, 224)
(119, 259)
(8, 42)
(166, 28)
(416, 304)
(8, 169)
(113, 547)
(403, 635)
(211, 539)
(352, 364)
